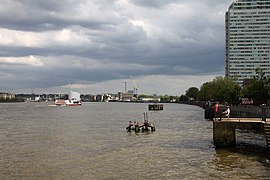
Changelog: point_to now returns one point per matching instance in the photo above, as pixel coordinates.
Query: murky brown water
(90, 142)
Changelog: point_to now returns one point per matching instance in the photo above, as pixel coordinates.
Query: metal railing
(250, 111)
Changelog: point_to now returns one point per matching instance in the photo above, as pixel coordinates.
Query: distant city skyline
(167, 46)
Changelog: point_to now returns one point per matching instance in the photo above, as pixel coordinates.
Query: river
(91, 142)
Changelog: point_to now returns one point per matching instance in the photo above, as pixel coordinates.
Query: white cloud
(29, 60)
(65, 37)
(19, 38)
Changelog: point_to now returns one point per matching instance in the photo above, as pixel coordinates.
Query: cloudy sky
(166, 46)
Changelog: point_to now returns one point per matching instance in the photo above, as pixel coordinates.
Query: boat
(73, 100)
(155, 107)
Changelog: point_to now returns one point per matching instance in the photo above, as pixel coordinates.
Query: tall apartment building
(247, 38)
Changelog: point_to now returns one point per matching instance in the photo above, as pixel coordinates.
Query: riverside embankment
(236, 110)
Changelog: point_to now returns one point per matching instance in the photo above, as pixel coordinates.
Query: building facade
(4, 95)
(247, 39)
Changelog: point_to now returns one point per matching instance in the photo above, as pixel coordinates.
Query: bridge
(224, 129)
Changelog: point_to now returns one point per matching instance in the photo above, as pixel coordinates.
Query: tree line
(16, 99)
(226, 90)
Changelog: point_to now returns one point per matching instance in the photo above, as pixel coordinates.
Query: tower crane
(135, 86)
(125, 86)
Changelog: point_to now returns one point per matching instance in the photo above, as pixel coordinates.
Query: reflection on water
(90, 142)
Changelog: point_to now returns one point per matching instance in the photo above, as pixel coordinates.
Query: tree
(206, 91)
(226, 90)
(257, 89)
(221, 89)
(193, 93)
(183, 98)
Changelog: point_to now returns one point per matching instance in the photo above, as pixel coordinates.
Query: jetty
(145, 126)
(256, 119)
(224, 130)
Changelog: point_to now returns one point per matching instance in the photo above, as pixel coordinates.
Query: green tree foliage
(257, 88)
(221, 89)
(206, 91)
(17, 99)
(183, 98)
(193, 93)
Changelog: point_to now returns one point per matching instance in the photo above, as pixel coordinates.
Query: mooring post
(264, 112)
(224, 134)
(137, 128)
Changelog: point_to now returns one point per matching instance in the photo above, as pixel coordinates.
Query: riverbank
(236, 111)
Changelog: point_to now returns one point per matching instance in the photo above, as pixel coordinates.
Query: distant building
(247, 39)
(6, 95)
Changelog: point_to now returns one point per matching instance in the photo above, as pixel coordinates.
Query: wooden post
(264, 112)
(224, 134)
(137, 128)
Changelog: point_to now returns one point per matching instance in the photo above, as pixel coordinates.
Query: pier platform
(224, 130)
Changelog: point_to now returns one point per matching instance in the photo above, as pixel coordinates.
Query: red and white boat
(73, 100)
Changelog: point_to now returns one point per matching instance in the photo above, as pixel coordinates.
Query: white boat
(73, 100)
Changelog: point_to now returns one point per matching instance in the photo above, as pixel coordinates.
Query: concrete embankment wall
(236, 111)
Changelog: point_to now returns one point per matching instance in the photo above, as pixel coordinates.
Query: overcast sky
(167, 46)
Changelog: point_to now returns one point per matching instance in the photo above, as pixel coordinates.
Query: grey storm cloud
(99, 40)
(154, 4)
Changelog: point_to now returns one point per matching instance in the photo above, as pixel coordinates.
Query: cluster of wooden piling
(141, 127)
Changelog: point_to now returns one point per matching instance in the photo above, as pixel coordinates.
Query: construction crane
(135, 92)
(125, 86)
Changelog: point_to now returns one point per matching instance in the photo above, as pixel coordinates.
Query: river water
(90, 142)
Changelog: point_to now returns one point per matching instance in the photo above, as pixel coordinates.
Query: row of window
(248, 27)
(265, 69)
(249, 45)
(249, 30)
(248, 12)
(251, 3)
(252, 7)
(246, 71)
(249, 66)
(242, 75)
(252, 34)
(254, 46)
(247, 55)
(255, 50)
(240, 19)
(236, 16)
(249, 62)
(250, 24)
(266, 66)
(249, 42)
(249, 38)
